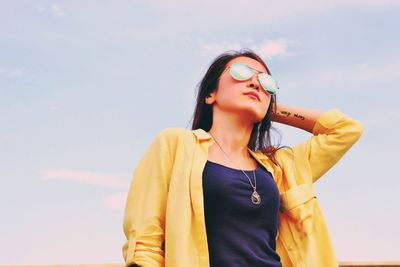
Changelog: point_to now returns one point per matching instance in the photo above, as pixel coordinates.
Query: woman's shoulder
(173, 134)
(172, 131)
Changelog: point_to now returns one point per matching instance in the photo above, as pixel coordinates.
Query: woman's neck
(233, 142)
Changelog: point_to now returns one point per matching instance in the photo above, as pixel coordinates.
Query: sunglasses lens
(240, 72)
(268, 83)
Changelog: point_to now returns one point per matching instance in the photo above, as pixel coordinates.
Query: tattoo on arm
(285, 113)
(299, 116)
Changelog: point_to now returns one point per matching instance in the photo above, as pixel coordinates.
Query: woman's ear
(210, 98)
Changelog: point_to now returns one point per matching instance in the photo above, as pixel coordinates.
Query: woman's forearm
(303, 118)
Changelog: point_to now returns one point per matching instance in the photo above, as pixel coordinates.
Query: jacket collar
(263, 159)
(202, 135)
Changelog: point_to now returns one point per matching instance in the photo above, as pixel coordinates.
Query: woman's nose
(253, 82)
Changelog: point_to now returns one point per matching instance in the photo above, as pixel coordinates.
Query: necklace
(255, 197)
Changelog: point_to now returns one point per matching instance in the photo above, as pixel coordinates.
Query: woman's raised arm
(333, 134)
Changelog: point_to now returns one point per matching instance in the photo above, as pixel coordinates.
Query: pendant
(255, 198)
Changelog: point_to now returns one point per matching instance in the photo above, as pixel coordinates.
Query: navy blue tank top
(240, 233)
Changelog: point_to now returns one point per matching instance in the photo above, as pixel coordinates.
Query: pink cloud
(115, 201)
(112, 180)
(273, 48)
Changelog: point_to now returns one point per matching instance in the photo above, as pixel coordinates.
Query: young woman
(221, 194)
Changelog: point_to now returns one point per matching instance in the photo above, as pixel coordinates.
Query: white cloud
(267, 49)
(373, 3)
(53, 108)
(116, 201)
(57, 10)
(216, 48)
(54, 9)
(348, 77)
(260, 11)
(111, 180)
(361, 74)
(12, 73)
(15, 73)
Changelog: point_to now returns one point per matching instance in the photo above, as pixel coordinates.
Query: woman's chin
(253, 116)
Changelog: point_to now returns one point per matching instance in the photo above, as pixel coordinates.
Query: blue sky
(86, 85)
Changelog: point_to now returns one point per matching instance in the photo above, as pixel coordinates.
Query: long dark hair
(260, 138)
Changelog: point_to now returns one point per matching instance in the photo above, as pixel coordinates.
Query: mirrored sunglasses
(242, 72)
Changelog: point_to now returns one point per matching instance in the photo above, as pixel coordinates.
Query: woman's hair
(260, 138)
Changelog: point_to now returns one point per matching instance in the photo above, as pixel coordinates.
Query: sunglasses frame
(258, 73)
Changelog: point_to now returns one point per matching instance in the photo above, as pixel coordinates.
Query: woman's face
(231, 95)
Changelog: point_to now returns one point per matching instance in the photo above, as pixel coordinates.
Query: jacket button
(290, 247)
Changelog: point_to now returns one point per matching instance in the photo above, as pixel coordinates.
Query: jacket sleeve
(144, 216)
(333, 135)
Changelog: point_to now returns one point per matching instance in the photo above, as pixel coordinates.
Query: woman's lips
(252, 95)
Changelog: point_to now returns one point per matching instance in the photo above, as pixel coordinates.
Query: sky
(86, 85)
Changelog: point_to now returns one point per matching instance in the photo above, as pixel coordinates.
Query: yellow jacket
(164, 214)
